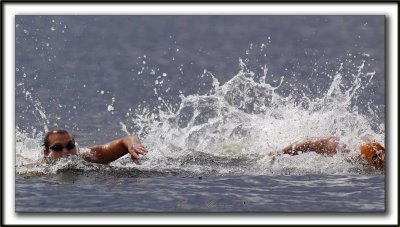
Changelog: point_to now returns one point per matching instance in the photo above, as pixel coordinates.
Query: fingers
(135, 160)
(140, 149)
(134, 155)
(135, 150)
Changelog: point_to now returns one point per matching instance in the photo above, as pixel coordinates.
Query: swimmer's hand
(134, 147)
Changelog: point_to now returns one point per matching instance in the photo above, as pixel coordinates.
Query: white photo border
(390, 10)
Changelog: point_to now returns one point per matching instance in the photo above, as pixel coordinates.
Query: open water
(209, 96)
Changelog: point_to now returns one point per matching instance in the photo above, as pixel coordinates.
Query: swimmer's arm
(295, 148)
(322, 145)
(115, 149)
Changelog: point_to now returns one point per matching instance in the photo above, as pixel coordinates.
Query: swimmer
(61, 143)
(372, 152)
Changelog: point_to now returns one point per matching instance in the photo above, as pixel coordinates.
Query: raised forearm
(106, 153)
(115, 149)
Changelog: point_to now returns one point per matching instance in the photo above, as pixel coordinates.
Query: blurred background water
(208, 95)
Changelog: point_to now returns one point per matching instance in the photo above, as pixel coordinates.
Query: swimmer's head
(374, 154)
(59, 143)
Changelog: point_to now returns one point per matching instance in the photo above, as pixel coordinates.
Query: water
(209, 102)
(308, 193)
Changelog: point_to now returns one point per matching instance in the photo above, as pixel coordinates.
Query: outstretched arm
(320, 145)
(115, 149)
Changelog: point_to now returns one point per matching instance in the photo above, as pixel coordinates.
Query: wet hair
(371, 151)
(46, 137)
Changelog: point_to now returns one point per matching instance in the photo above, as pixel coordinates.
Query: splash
(231, 130)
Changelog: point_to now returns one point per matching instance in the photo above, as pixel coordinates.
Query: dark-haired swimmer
(372, 152)
(61, 143)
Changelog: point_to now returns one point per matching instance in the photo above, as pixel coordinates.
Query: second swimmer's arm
(322, 145)
(295, 148)
(115, 149)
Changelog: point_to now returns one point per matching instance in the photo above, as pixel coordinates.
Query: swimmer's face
(60, 145)
(374, 154)
(378, 160)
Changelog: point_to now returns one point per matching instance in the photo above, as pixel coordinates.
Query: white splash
(231, 130)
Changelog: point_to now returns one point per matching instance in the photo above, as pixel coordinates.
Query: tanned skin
(320, 145)
(324, 146)
(103, 154)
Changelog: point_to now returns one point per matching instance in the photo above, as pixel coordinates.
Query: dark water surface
(311, 193)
